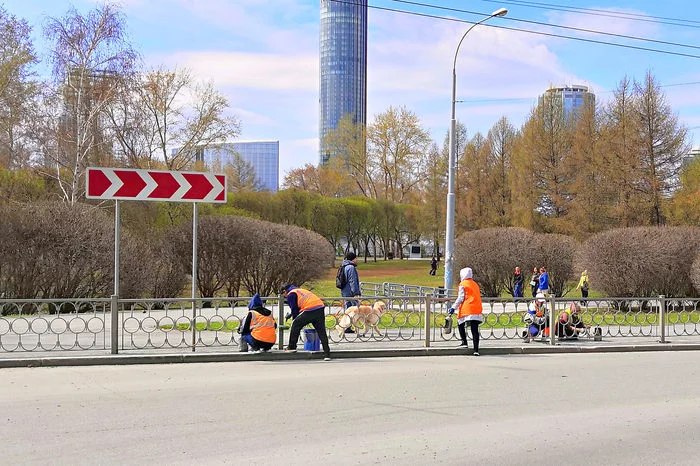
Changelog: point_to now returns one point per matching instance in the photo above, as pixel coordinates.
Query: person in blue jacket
(352, 280)
(543, 286)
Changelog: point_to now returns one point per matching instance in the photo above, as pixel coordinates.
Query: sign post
(153, 185)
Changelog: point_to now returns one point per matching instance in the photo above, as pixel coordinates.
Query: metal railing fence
(153, 324)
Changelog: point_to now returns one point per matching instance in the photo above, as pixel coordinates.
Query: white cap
(540, 297)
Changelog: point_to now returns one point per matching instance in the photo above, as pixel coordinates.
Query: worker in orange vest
(468, 305)
(259, 327)
(307, 308)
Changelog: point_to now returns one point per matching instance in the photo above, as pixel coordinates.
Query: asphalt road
(603, 408)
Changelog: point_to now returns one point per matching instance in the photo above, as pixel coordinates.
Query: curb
(340, 354)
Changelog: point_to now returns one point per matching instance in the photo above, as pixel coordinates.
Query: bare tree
(90, 55)
(398, 147)
(184, 115)
(663, 146)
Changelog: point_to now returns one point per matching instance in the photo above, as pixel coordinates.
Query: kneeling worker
(259, 327)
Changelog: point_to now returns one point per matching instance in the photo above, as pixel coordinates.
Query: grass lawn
(414, 272)
(411, 272)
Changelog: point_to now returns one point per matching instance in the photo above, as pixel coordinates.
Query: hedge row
(634, 262)
(54, 250)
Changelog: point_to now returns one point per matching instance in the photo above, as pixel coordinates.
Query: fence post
(662, 318)
(428, 316)
(114, 330)
(552, 317)
(280, 322)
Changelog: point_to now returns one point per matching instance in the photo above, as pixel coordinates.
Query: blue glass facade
(571, 98)
(263, 156)
(343, 65)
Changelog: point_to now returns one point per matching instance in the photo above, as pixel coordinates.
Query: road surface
(607, 408)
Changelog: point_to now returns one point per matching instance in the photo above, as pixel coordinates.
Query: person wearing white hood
(469, 307)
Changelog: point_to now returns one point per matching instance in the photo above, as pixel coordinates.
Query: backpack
(340, 278)
(585, 285)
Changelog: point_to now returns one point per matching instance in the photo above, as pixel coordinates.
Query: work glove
(451, 311)
(288, 316)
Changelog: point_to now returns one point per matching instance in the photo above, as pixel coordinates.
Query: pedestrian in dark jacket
(518, 280)
(433, 266)
(352, 280)
(534, 281)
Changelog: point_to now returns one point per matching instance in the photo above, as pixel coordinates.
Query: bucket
(312, 342)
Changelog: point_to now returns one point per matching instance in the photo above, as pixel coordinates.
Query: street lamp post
(450, 226)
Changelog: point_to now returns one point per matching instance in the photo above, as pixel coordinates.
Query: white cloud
(247, 70)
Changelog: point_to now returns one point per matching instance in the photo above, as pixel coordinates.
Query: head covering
(350, 256)
(540, 297)
(585, 272)
(465, 273)
(255, 302)
(286, 287)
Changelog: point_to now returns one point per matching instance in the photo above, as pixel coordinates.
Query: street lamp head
(500, 12)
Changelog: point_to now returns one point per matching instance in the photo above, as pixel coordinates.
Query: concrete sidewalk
(358, 349)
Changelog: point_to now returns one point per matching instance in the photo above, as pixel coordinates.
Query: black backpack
(340, 278)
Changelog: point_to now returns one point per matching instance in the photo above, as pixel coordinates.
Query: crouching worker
(570, 324)
(536, 319)
(307, 308)
(259, 327)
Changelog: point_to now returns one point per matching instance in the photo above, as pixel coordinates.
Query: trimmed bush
(643, 261)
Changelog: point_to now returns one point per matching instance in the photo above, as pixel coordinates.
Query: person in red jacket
(468, 305)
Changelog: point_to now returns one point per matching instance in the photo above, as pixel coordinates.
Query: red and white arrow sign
(154, 185)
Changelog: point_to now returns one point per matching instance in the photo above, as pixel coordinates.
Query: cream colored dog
(368, 316)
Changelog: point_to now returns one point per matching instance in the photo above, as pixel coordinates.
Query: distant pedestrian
(518, 280)
(469, 308)
(534, 281)
(351, 288)
(543, 286)
(433, 266)
(583, 285)
(258, 329)
(307, 308)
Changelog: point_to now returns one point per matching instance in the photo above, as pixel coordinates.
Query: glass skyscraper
(343, 66)
(571, 98)
(263, 156)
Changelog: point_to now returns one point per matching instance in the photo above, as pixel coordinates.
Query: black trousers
(474, 327)
(317, 318)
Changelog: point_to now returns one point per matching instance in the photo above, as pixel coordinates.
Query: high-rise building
(571, 98)
(343, 66)
(262, 156)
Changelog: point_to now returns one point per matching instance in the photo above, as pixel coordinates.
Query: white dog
(368, 316)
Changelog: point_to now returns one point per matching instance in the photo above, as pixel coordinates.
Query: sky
(264, 56)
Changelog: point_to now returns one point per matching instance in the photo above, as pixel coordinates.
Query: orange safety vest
(262, 328)
(307, 300)
(472, 299)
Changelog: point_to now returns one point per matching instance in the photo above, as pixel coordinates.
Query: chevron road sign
(154, 185)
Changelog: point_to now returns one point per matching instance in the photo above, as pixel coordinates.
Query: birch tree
(90, 55)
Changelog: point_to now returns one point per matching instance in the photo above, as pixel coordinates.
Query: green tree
(18, 90)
